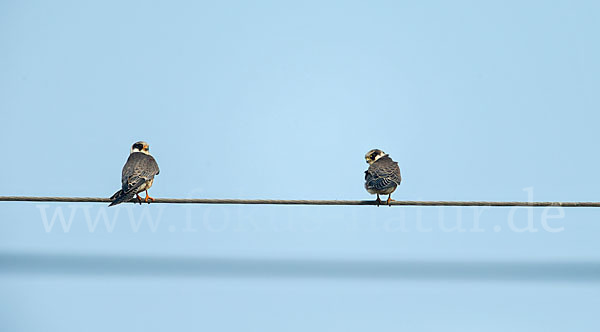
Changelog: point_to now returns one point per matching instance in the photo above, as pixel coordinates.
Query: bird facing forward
(137, 176)
(383, 175)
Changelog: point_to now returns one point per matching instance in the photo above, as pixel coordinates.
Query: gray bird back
(383, 174)
(138, 169)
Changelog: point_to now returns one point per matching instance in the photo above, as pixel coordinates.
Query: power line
(299, 202)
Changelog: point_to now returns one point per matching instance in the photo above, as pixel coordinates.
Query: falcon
(137, 176)
(383, 175)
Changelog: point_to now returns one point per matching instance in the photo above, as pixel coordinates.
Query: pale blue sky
(271, 99)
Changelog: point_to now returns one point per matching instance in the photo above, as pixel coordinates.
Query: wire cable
(300, 202)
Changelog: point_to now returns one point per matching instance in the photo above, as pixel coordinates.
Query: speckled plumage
(137, 176)
(383, 176)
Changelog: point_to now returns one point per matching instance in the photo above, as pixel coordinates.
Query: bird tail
(120, 197)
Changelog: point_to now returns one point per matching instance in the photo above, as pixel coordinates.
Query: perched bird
(137, 176)
(383, 175)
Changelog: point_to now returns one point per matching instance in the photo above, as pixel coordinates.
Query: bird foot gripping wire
(139, 199)
(389, 200)
(378, 200)
(148, 199)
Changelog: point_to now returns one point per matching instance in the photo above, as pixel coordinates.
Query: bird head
(140, 146)
(373, 155)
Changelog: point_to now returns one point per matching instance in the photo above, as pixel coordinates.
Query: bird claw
(389, 200)
(147, 199)
(139, 199)
(378, 201)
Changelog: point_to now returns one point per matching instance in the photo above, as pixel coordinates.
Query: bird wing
(383, 174)
(138, 169)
